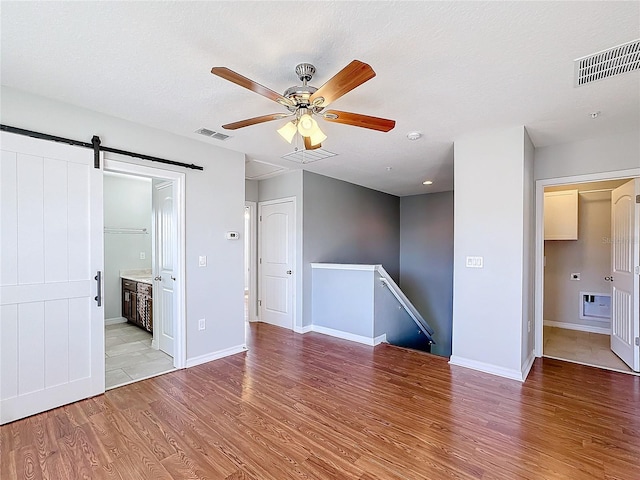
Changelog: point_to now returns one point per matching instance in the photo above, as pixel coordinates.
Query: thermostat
(233, 235)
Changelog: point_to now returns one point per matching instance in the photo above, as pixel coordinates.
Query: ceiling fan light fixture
(307, 126)
(317, 137)
(288, 131)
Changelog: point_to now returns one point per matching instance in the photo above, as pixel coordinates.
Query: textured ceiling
(443, 68)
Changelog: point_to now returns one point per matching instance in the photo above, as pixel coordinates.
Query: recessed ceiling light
(427, 182)
(414, 135)
(595, 114)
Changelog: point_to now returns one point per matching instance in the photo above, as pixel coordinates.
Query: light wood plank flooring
(314, 407)
(583, 347)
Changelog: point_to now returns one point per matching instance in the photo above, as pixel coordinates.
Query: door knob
(608, 279)
(158, 278)
(288, 272)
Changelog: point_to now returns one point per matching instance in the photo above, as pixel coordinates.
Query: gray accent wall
(347, 223)
(426, 261)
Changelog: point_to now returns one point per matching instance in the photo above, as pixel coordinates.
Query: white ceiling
(445, 69)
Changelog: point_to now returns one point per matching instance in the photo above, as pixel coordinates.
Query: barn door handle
(98, 297)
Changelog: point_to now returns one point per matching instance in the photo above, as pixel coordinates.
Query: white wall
(528, 272)
(214, 205)
(251, 190)
(489, 209)
(127, 204)
(607, 153)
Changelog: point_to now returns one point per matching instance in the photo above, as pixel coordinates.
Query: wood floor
(314, 407)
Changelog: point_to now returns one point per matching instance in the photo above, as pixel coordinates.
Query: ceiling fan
(305, 102)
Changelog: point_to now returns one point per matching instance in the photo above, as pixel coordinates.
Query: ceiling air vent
(614, 61)
(210, 133)
(308, 156)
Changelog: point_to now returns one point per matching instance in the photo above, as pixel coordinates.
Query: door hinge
(637, 198)
(260, 261)
(636, 270)
(637, 341)
(260, 217)
(259, 303)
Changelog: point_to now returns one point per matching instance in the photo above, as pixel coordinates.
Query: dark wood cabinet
(137, 303)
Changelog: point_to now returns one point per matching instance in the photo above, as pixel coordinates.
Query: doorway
(250, 263)
(576, 255)
(144, 245)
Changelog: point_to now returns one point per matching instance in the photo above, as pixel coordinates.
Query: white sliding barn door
(51, 328)
(625, 321)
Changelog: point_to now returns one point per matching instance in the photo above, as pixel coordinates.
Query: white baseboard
(113, 321)
(487, 368)
(526, 366)
(349, 336)
(305, 329)
(577, 326)
(192, 362)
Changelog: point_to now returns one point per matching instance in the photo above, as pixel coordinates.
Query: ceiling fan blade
(253, 121)
(359, 120)
(308, 146)
(245, 82)
(351, 76)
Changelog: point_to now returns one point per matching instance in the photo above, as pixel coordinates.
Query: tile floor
(130, 357)
(582, 347)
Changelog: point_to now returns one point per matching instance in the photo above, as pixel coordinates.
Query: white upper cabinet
(561, 215)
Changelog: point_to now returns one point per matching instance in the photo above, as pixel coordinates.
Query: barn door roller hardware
(96, 146)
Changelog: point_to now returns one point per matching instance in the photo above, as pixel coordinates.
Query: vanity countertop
(142, 275)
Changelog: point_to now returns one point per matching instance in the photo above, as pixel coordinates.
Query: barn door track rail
(96, 146)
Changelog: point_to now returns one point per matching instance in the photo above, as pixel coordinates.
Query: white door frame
(539, 245)
(178, 178)
(254, 313)
(294, 277)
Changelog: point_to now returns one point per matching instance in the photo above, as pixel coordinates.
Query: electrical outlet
(201, 324)
(143, 255)
(202, 261)
(575, 276)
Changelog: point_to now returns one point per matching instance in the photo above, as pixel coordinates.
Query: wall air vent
(210, 133)
(308, 156)
(607, 63)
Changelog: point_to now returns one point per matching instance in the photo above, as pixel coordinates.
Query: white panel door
(625, 258)
(164, 265)
(277, 253)
(51, 328)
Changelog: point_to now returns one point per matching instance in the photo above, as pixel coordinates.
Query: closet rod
(94, 145)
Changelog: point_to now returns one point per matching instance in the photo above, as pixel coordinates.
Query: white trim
(115, 320)
(344, 266)
(577, 326)
(487, 368)
(539, 245)
(253, 261)
(192, 362)
(303, 330)
(180, 337)
(526, 366)
(349, 336)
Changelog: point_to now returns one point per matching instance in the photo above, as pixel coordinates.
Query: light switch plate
(475, 262)
(202, 261)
